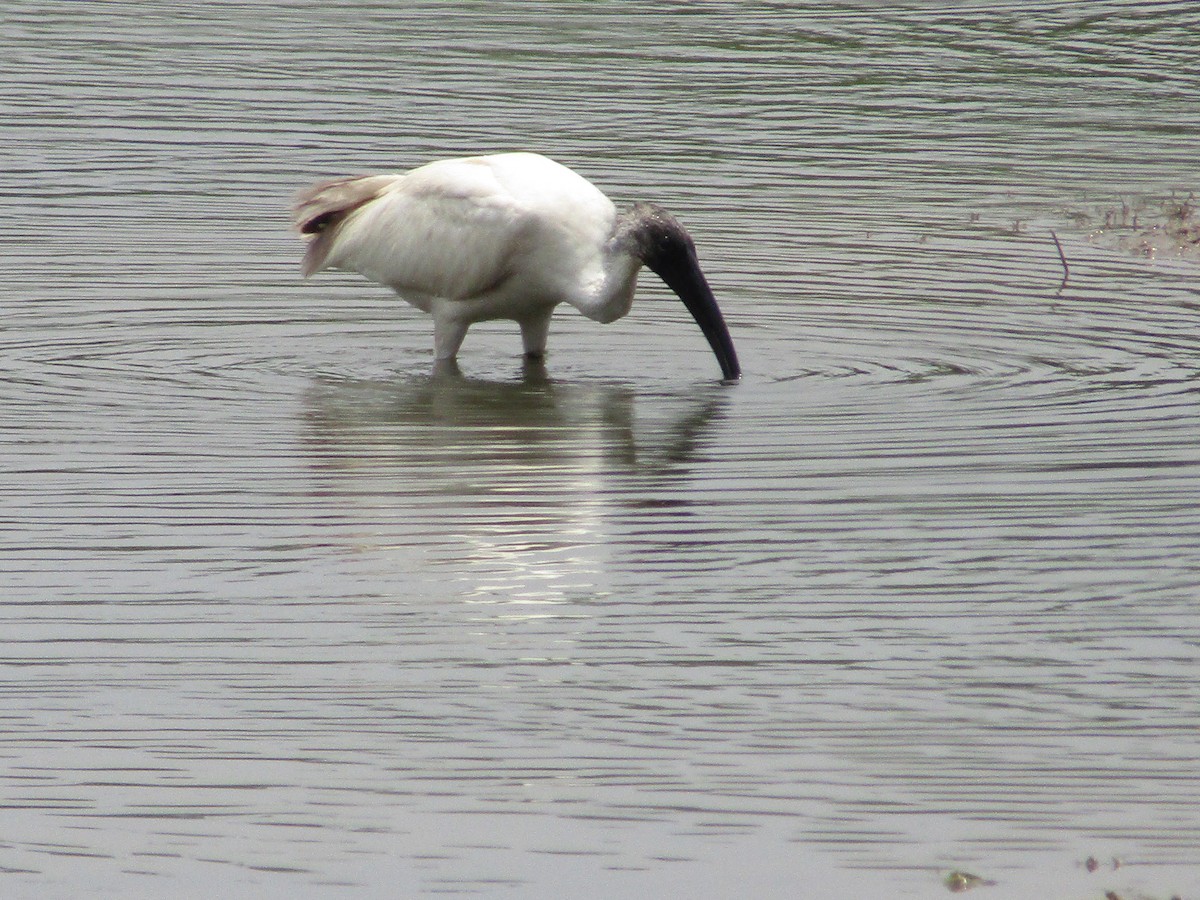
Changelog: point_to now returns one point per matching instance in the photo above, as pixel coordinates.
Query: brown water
(285, 614)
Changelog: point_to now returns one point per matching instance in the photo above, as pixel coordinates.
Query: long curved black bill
(682, 275)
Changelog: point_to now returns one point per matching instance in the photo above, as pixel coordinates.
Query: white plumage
(508, 236)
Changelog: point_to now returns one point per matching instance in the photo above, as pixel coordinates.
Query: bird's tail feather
(319, 211)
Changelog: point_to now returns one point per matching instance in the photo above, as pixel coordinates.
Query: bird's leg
(533, 370)
(448, 334)
(534, 331)
(447, 370)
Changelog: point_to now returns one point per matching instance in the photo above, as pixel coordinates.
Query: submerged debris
(1146, 227)
(1091, 864)
(958, 881)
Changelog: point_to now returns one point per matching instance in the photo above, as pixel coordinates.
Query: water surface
(286, 613)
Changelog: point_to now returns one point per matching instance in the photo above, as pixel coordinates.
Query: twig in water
(1063, 259)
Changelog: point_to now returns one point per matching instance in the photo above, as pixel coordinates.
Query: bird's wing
(448, 229)
(320, 210)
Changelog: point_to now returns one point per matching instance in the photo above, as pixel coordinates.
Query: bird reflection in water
(510, 489)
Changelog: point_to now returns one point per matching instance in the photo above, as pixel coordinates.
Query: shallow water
(288, 614)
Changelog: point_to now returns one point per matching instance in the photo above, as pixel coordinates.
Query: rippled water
(285, 613)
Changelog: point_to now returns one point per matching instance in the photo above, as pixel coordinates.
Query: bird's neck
(609, 296)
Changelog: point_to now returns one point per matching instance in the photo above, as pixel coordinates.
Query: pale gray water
(284, 616)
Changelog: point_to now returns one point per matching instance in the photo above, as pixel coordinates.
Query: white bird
(508, 236)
